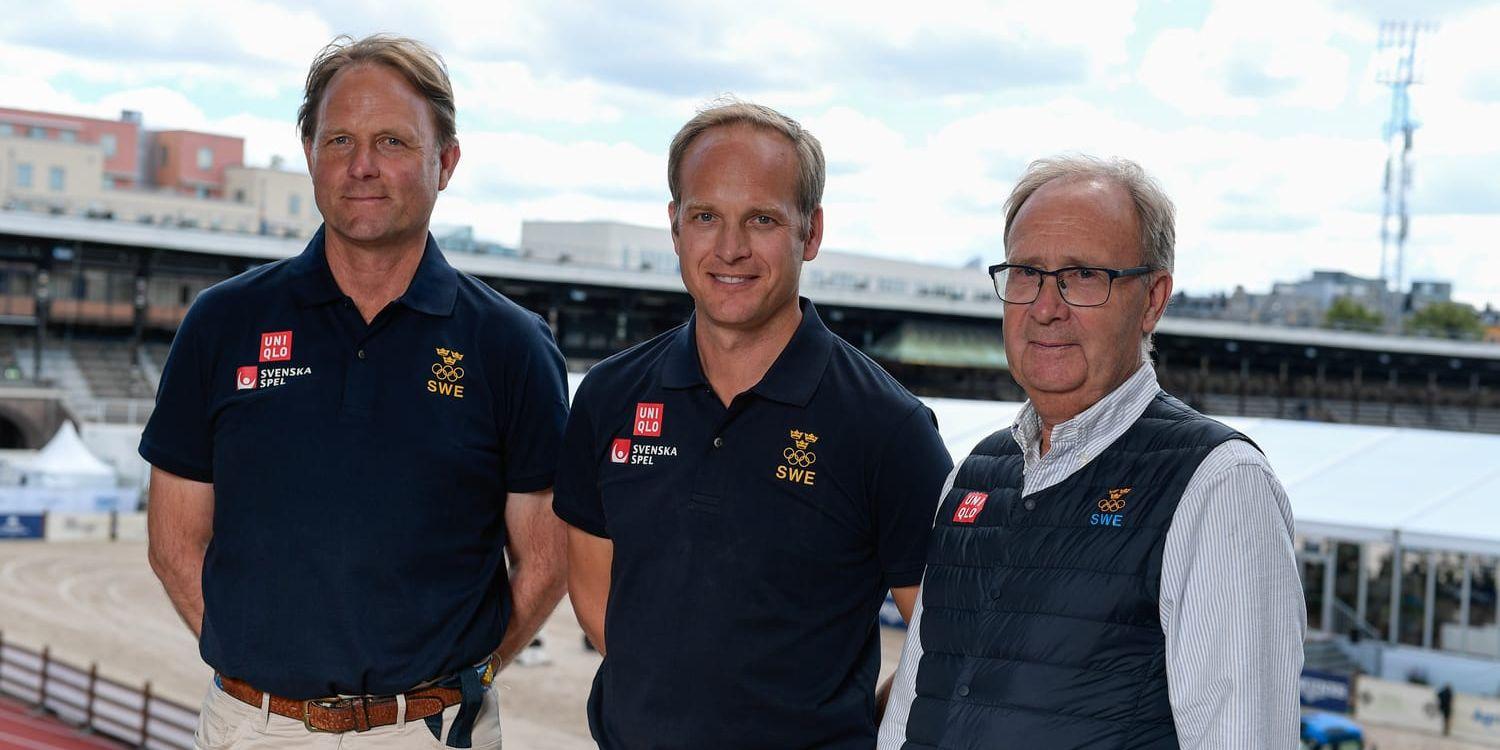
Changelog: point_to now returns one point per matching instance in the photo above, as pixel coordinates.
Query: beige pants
(225, 723)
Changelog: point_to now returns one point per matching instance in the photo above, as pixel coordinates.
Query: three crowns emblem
(803, 439)
(1115, 502)
(450, 357)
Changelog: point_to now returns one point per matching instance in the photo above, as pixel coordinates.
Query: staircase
(1326, 655)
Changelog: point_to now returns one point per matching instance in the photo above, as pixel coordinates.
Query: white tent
(66, 463)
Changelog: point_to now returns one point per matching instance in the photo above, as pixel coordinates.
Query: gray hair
(811, 168)
(1153, 208)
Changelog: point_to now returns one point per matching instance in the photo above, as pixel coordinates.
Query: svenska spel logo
(245, 377)
(619, 451)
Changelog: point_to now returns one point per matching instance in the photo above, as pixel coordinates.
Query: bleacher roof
(1424, 488)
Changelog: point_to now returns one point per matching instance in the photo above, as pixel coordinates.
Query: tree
(1346, 313)
(1451, 320)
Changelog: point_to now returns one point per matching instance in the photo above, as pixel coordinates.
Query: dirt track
(99, 602)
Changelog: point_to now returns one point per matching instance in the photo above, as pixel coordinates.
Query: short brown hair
(419, 64)
(811, 169)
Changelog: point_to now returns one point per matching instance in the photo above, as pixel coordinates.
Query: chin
(1051, 380)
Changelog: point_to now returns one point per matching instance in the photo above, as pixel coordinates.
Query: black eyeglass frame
(1112, 273)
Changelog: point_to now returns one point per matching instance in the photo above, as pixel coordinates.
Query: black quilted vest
(1040, 625)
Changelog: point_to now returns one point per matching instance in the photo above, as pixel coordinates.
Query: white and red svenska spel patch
(276, 346)
(619, 451)
(970, 507)
(245, 377)
(648, 419)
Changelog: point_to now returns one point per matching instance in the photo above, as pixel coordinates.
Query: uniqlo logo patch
(245, 377)
(276, 347)
(970, 507)
(648, 420)
(619, 452)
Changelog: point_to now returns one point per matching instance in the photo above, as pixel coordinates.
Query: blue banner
(1325, 691)
(22, 526)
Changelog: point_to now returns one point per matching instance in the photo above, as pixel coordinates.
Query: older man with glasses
(1113, 569)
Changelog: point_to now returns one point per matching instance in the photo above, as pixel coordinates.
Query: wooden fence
(85, 699)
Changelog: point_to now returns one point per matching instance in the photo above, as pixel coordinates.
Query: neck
(1052, 409)
(372, 276)
(734, 360)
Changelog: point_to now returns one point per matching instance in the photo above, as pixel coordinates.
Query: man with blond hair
(349, 444)
(745, 488)
(1114, 569)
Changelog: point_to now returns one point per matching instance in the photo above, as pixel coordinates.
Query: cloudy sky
(1263, 118)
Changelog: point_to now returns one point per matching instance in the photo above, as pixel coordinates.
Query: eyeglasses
(1080, 286)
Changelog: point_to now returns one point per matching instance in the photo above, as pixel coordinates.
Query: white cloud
(1247, 57)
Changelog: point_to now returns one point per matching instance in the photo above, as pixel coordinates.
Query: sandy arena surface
(99, 602)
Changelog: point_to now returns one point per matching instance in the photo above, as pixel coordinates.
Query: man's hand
(590, 559)
(538, 567)
(179, 524)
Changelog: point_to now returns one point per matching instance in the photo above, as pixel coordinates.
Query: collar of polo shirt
(793, 377)
(433, 289)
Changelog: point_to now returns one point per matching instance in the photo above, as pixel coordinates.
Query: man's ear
(447, 162)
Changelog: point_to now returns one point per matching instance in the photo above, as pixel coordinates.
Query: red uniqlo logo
(648, 420)
(969, 509)
(276, 347)
(245, 377)
(619, 452)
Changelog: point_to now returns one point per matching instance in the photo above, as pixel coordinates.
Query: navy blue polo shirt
(752, 544)
(359, 470)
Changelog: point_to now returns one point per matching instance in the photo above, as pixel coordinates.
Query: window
(200, 192)
(205, 158)
(55, 179)
(294, 204)
(67, 136)
(110, 143)
(36, 132)
(108, 183)
(23, 175)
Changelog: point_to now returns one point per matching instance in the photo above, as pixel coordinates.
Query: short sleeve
(178, 438)
(906, 488)
(536, 397)
(576, 499)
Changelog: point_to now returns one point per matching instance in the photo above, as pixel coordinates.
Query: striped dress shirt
(1231, 603)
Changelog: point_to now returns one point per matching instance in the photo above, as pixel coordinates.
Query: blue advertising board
(22, 525)
(1325, 691)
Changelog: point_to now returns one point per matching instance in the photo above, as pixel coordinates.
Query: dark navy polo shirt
(752, 544)
(359, 471)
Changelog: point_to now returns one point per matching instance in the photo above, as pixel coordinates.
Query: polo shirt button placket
(360, 354)
(1030, 504)
(718, 442)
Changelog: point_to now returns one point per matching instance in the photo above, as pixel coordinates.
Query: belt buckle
(327, 703)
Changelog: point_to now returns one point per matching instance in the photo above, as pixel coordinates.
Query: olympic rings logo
(799, 457)
(1111, 504)
(447, 372)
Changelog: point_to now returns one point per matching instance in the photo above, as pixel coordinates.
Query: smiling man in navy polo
(745, 488)
(348, 445)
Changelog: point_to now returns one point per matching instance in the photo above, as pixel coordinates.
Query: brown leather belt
(356, 714)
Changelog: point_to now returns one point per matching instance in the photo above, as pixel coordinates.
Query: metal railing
(87, 700)
(112, 410)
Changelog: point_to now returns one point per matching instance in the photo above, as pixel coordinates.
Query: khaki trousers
(225, 723)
